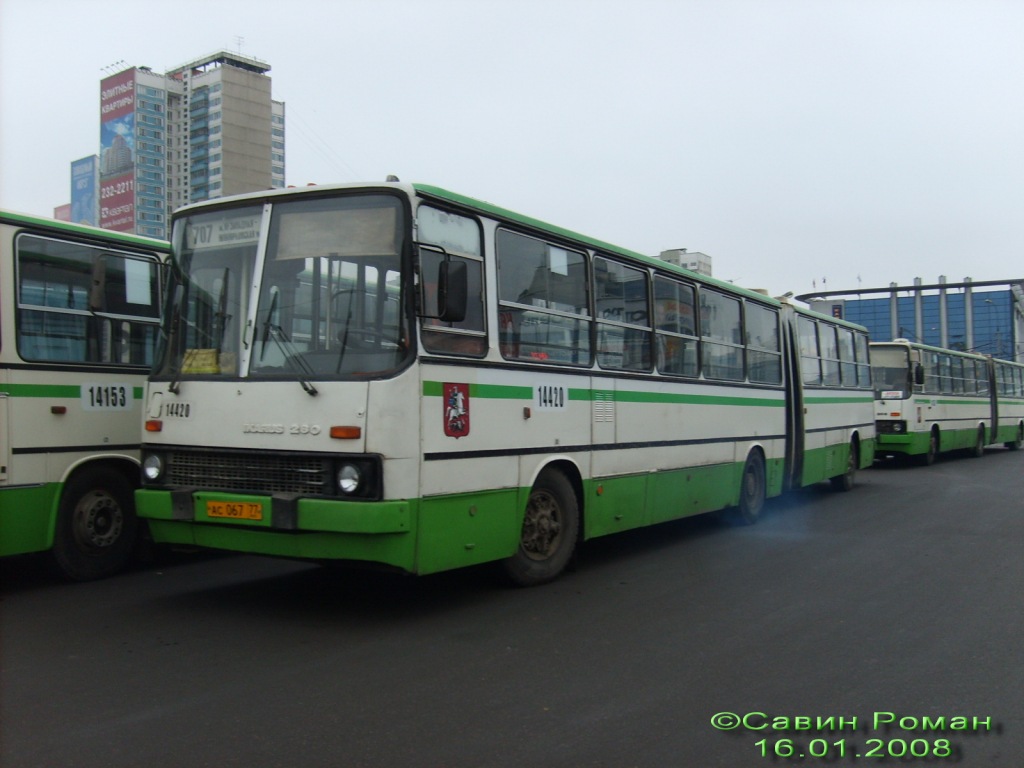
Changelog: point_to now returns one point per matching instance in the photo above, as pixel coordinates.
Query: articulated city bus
(400, 375)
(931, 400)
(80, 319)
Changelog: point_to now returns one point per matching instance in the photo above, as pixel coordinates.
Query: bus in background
(78, 329)
(931, 400)
(401, 375)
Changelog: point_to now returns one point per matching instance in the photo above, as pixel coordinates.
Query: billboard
(117, 151)
(84, 177)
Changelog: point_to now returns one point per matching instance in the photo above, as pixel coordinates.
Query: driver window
(460, 237)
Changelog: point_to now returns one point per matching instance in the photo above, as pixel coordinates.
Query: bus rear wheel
(753, 491)
(979, 444)
(845, 481)
(1014, 445)
(96, 527)
(550, 529)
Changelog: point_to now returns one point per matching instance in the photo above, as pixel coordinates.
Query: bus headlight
(358, 477)
(153, 467)
(349, 479)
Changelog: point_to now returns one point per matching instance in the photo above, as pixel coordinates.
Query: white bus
(931, 400)
(78, 326)
(401, 375)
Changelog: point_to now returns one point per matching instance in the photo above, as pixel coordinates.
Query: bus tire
(929, 456)
(979, 444)
(753, 491)
(845, 481)
(551, 525)
(1014, 445)
(96, 528)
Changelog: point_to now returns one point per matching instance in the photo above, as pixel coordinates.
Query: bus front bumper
(281, 526)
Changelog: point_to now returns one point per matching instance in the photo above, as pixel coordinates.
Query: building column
(918, 311)
(943, 314)
(894, 313)
(968, 315)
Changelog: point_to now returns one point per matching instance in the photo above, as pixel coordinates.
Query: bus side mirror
(452, 291)
(918, 374)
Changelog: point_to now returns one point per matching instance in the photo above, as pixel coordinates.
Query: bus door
(795, 422)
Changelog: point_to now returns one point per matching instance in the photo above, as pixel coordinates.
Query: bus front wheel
(96, 526)
(550, 527)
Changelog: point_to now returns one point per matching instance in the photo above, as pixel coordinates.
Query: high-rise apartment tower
(206, 129)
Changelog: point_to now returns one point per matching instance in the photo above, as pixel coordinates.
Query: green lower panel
(614, 504)
(621, 503)
(1007, 433)
(455, 531)
(822, 463)
(867, 453)
(26, 518)
(916, 443)
(958, 439)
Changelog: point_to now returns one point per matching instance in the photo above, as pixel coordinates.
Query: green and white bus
(79, 322)
(400, 375)
(931, 400)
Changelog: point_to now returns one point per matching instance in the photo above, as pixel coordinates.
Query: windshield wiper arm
(292, 357)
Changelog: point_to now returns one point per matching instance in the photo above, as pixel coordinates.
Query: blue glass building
(985, 316)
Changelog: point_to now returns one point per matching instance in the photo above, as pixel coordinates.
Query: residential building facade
(206, 129)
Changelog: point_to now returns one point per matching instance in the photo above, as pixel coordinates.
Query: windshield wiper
(292, 357)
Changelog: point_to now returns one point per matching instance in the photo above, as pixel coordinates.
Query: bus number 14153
(106, 397)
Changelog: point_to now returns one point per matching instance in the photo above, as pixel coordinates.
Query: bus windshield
(326, 296)
(890, 371)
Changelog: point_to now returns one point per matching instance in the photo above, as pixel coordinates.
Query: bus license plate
(235, 510)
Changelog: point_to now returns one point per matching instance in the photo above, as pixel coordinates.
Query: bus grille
(250, 472)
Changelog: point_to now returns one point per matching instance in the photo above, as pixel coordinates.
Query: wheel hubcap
(98, 520)
(542, 526)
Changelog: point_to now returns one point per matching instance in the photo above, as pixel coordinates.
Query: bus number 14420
(548, 397)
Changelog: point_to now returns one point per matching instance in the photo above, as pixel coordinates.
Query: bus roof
(429, 191)
(836, 320)
(481, 206)
(928, 348)
(82, 230)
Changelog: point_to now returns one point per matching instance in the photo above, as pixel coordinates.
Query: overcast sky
(795, 141)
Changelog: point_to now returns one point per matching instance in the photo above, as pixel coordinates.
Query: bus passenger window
(810, 362)
(623, 330)
(829, 349)
(847, 358)
(764, 355)
(721, 336)
(675, 327)
(542, 291)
